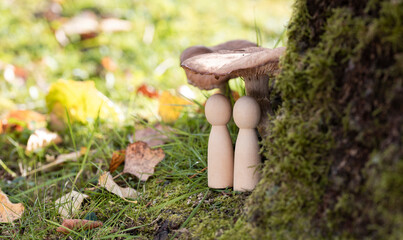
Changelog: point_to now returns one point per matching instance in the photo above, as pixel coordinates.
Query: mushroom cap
(233, 45)
(209, 81)
(194, 51)
(227, 64)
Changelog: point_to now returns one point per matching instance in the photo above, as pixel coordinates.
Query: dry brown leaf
(141, 160)
(106, 181)
(152, 136)
(78, 224)
(41, 138)
(8, 210)
(118, 157)
(69, 204)
(148, 91)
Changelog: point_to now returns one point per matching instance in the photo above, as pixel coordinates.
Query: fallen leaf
(115, 25)
(69, 204)
(41, 138)
(106, 181)
(78, 224)
(84, 23)
(82, 101)
(118, 157)
(109, 64)
(8, 210)
(148, 91)
(152, 136)
(170, 106)
(20, 119)
(141, 160)
(87, 25)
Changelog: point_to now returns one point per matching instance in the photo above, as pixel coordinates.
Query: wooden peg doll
(220, 156)
(247, 158)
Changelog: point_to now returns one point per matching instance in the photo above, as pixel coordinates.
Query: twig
(59, 160)
(194, 175)
(13, 174)
(90, 188)
(120, 174)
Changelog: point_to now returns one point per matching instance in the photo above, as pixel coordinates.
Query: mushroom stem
(224, 89)
(257, 86)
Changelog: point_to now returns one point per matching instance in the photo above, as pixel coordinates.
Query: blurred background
(129, 48)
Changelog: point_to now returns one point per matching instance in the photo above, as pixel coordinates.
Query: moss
(334, 153)
(216, 217)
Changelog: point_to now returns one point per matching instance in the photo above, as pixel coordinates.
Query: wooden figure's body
(247, 158)
(220, 155)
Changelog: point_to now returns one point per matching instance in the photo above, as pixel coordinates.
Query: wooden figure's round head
(218, 110)
(246, 112)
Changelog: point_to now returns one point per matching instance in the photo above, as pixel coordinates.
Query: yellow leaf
(170, 106)
(82, 100)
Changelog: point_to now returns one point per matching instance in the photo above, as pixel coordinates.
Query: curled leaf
(118, 157)
(141, 160)
(78, 224)
(106, 181)
(41, 138)
(9, 211)
(69, 204)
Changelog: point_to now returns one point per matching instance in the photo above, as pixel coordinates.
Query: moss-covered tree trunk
(335, 152)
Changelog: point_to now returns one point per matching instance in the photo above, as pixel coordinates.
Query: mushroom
(255, 65)
(208, 82)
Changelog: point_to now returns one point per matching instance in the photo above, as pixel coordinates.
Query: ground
(175, 202)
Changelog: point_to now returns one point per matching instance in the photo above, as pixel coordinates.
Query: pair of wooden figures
(226, 168)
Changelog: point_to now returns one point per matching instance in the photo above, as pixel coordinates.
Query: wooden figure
(220, 156)
(247, 158)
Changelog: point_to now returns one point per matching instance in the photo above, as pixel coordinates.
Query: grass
(172, 197)
(175, 202)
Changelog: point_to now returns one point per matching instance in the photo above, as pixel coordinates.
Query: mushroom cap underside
(210, 70)
(206, 81)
